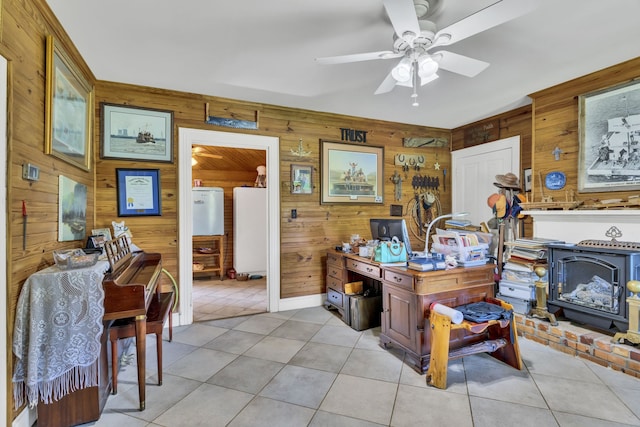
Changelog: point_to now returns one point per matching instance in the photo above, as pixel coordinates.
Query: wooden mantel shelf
(573, 226)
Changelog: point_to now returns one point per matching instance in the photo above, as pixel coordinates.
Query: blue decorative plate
(555, 180)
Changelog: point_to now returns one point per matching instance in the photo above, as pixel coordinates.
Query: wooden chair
(159, 309)
(501, 342)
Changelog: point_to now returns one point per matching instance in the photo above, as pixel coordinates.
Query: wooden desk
(406, 297)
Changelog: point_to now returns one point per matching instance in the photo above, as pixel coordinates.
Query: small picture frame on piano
(106, 232)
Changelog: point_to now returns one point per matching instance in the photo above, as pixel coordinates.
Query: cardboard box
(353, 288)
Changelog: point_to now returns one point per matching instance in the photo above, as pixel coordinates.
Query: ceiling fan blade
(357, 57)
(387, 85)
(489, 17)
(212, 156)
(459, 64)
(402, 14)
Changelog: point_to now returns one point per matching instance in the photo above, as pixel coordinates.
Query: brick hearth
(577, 341)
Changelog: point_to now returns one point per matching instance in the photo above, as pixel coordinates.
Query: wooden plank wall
(555, 124)
(25, 23)
(318, 227)
(512, 123)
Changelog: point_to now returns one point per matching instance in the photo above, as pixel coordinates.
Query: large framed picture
(138, 192)
(301, 179)
(136, 133)
(609, 123)
(68, 109)
(351, 173)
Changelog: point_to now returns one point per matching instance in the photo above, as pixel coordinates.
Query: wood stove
(588, 282)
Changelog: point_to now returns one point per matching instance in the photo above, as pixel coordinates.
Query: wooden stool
(501, 342)
(157, 313)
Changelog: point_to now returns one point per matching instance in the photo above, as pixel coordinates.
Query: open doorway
(189, 138)
(229, 232)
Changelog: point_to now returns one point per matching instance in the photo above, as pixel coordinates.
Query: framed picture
(68, 109)
(301, 179)
(609, 124)
(528, 180)
(72, 209)
(138, 192)
(351, 173)
(106, 232)
(136, 133)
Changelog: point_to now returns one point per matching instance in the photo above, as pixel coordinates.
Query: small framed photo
(136, 133)
(69, 109)
(106, 232)
(98, 241)
(301, 179)
(138, 192)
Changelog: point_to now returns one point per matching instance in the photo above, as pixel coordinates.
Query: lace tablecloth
(57, 333)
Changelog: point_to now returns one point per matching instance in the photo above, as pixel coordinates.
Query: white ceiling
(264, 51)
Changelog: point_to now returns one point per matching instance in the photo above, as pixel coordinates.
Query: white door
(474, 172)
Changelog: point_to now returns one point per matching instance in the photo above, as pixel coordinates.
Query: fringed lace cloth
(57, 333)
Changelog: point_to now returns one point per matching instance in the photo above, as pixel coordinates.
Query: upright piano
(129, 287)
(128, 290)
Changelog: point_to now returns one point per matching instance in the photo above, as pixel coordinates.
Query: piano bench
(159, 310)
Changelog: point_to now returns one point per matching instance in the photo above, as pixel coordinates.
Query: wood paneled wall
(555, 124)
(25, 24)
(318, 227)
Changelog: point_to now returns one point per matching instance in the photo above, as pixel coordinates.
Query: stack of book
(517, 285)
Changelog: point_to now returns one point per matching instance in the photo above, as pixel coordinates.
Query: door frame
(4, 268)
(187, 137)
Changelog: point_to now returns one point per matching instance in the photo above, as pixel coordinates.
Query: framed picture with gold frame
(69, 109)
(351, 173)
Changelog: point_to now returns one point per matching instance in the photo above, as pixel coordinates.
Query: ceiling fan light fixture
(427, 67)
(428, 79)
(193, 161)
(402, 72)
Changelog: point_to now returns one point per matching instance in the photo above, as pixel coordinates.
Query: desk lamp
(431, 224)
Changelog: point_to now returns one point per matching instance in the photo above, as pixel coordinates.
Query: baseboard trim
(26, 418)
(297, 303)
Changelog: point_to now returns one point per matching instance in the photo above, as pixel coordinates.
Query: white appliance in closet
(250, 230)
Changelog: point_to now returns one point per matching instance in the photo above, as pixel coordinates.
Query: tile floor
(307, 368)
(220, 299)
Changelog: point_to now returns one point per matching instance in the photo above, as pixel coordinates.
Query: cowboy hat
(508, 180)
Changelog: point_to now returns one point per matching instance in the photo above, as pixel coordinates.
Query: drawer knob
(369, 269)
(398, 279)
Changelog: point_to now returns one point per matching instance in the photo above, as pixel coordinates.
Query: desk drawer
(336, 298)
(335, 259)
(335, 283)
(364, 268)
(337, 272)
(398, 279)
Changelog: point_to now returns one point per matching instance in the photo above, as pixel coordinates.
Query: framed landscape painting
(68, 109)
(351, 173)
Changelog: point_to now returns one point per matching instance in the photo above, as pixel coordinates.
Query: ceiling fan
(200, 152)
(414, 39)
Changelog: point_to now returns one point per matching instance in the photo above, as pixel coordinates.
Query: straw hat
(508, 180)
